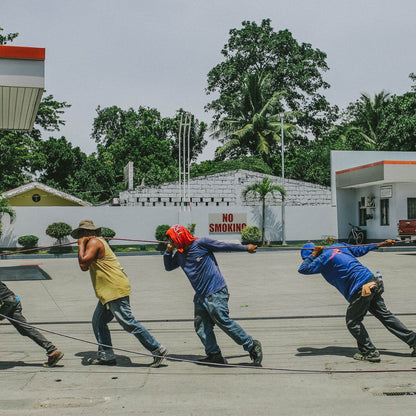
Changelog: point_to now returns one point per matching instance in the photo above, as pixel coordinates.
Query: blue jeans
(119, 309)
(213, 310)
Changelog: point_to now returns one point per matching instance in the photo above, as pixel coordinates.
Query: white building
(373, 190)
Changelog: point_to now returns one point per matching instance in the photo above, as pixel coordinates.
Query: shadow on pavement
(4, 365)
(341, 351)
(193, 359)
(122, 360)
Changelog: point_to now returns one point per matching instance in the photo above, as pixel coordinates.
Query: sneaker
(213, 359)
(98, 361)
(413, 353)
(372, 356)
(159, 356)
(256, 353)
(53, 358)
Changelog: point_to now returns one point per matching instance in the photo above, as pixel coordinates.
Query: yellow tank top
(108, 277)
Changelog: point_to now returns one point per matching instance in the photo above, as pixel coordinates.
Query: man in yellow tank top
(112, 288)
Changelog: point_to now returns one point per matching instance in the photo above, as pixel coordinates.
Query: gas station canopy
(22, 81)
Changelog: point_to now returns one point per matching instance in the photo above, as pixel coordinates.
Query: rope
(165, 242)
(251, 367)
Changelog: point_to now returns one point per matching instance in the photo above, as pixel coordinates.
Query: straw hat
(85, 225)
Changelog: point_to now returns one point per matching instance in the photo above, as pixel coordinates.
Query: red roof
(22, 52)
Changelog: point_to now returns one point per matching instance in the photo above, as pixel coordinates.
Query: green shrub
(59, 230)
(107, 233)
(250, 234)
(28, 241)
(160, 235)
(191, 228)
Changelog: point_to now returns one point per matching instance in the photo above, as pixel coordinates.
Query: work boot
(213, 359)
(53, 358)
(372, 356)
(159, 355)
(98, 361)
(256, 353)
(413, 353)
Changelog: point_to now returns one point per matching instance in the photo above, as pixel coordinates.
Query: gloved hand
(317, 251)
(386, 243)
(251, 248)
(366, 289)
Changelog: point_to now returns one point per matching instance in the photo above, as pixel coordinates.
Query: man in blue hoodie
(339, 266)
(196, 258)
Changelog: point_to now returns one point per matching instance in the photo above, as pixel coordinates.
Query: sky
(157, 54)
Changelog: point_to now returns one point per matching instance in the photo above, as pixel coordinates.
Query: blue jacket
(339, 266)
(200, 265)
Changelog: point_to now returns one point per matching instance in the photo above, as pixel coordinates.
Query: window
(35, 197)
(411, 208)
(384, 212)
(362, 213)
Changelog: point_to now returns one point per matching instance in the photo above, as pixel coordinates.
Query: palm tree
(5, 209)
(367, 113)
(261, 190)
(256, 124)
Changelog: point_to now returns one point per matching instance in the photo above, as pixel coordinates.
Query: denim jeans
(119, 309)
(358, 308)
(213, 310)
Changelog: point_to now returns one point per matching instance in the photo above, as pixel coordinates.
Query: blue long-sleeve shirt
(339, 266)
(200, 265)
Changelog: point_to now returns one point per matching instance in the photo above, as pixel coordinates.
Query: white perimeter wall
(139, 223)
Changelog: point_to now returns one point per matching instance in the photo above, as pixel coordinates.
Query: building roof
(382, 172)
(22, 83)
(40, 186)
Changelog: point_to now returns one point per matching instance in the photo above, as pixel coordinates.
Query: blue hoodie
(200, 265)
(338, 265)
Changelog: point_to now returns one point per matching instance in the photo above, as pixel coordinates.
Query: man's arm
(218, 246)
(89, 249)
(358, 251)
(313, 263)
(169, 260)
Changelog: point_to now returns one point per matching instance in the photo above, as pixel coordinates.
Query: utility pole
(283, 180)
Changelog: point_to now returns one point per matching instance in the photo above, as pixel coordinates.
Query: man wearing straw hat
(112, 288)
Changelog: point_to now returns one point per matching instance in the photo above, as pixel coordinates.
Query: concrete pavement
(299, 320)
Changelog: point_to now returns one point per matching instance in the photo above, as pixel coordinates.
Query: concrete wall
(139, 223)
(224, 190)
(308, 213)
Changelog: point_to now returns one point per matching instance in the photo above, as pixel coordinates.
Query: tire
(360, 238)
(351, 239)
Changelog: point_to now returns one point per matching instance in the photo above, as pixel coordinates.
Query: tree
(19, 151)
(146, 139)
(293, 67)
(363, 120)
(256, 128)
(4, 39)
(397, 127)
(5, 209)
(261, 190)
(57, 161)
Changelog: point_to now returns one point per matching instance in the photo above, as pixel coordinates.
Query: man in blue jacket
(196, 257)
(339, 266)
